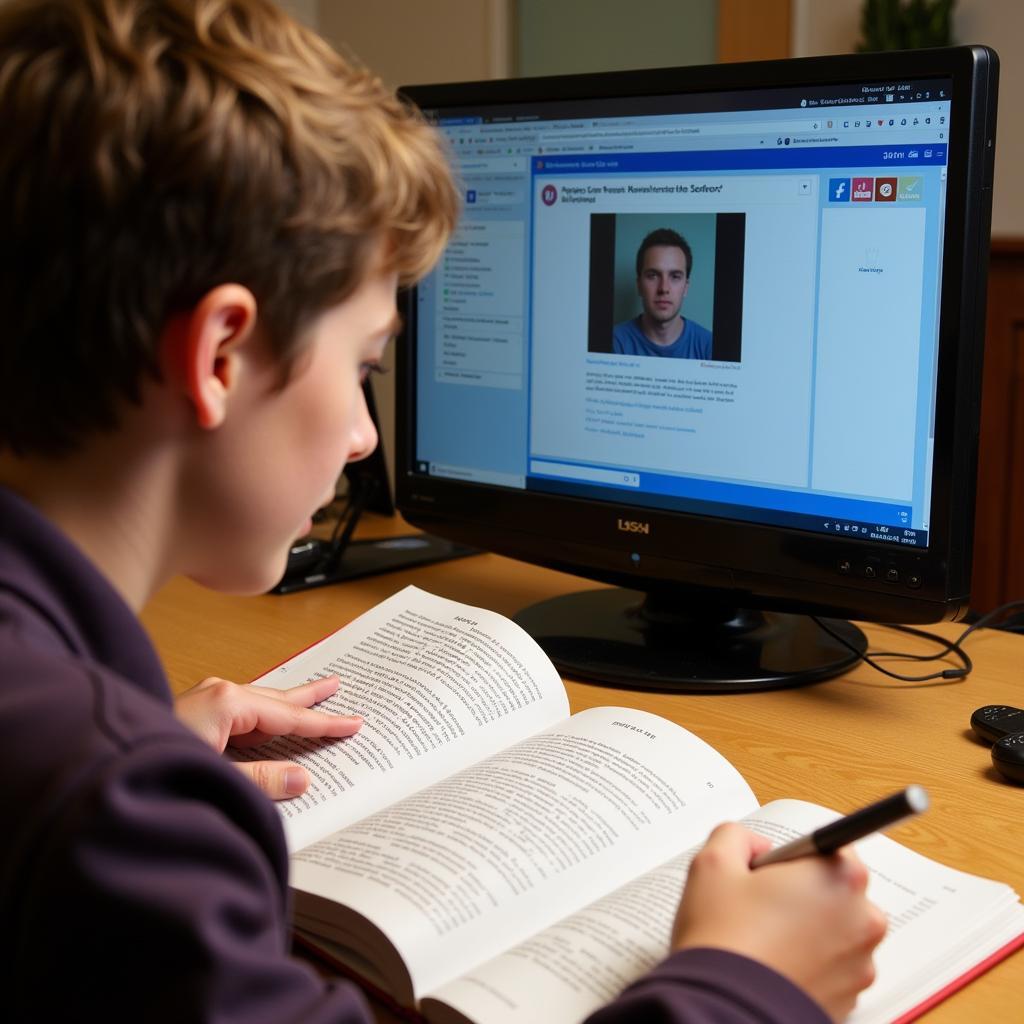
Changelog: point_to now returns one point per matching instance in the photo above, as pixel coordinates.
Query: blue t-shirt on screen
(693, 343)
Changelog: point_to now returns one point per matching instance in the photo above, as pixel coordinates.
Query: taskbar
(849, 528)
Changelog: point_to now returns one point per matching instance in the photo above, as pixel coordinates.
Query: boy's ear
(204, 349)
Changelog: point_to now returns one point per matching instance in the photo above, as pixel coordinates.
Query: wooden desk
(839, 743)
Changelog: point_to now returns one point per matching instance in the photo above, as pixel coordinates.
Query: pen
(829, 838)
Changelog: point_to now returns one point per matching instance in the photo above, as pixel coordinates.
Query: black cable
(949, 647)
(990, 617)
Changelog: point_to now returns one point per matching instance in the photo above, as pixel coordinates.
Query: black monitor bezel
(758, 565)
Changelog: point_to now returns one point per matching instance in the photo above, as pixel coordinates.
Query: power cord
(949, 647)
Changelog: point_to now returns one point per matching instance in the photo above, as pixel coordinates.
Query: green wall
(558, 37)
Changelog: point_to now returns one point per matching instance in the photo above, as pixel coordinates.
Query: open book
(480, 854)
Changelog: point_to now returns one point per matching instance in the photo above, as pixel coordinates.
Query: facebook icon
(839, 190)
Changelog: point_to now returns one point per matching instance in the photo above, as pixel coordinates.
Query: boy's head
(155, 149)
(663, 264)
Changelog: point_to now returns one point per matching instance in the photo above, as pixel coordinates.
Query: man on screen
(663, 265)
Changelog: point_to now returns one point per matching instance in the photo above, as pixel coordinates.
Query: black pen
(829, 838)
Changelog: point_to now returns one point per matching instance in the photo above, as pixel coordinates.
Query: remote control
(994, 721)
(1008, 756)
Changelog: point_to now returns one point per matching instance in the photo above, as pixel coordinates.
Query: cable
(949, 647)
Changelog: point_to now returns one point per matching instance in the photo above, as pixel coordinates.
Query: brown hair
(156, 148)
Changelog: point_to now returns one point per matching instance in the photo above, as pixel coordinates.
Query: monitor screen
(714, 335)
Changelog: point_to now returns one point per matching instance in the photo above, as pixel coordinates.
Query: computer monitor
(797, 438)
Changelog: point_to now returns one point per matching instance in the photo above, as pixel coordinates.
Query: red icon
(885, 190)
(863, 190)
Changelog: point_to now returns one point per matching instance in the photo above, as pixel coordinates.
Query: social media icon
(839, 190)
(863, 190)
(909, 189)
(885, 190)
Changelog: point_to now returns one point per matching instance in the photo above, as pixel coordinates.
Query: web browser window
(770, 356)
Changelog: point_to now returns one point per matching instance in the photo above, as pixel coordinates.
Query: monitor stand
(319, 563)
(369, 558)
(627, 638)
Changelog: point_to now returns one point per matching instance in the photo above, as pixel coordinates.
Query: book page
(940, 922)
(439, 684)
(479, 861)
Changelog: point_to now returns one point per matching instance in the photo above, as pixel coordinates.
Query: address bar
(725, 128)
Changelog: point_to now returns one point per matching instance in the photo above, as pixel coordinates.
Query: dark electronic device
(1008, 756)
(820, 460)
(994, 721)
(1003, 727)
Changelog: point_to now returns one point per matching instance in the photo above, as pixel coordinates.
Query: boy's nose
(364, 434)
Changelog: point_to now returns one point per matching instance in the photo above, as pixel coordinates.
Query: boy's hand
(808, 918)
(222, 712)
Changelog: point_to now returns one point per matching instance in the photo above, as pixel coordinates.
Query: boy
(205, 213)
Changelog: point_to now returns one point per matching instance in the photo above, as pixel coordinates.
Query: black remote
(994, 721)
(1008, 757)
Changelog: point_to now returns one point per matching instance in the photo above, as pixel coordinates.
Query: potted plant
(905, 24)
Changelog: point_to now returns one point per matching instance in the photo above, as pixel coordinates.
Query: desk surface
(840, 743)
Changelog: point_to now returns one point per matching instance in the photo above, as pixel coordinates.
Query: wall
(410, 42)
(834, 27)
(307, 11)
(570, 36)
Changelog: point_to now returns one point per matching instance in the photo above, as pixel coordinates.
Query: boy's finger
(305, 694)
(734, 845)
(277, 718)
(278, 779)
